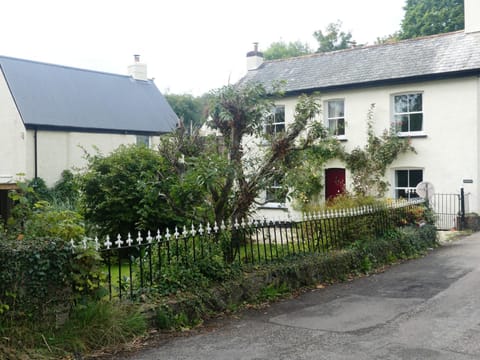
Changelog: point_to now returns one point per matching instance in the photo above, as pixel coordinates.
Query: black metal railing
(134, 265)
(450, 210)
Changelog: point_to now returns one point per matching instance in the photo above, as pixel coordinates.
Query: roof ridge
(331, 53)
(52, 95)
(454, 54)
(62, 66)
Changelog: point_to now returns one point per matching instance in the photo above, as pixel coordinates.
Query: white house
(429, 85)
(50, 114)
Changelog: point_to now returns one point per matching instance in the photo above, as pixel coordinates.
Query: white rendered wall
(449, 151)
(58, 151)
(12, 137)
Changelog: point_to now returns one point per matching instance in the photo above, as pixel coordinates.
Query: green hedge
(294, 273)
(34, 277)
(40, 279)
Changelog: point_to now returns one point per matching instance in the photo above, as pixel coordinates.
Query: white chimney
(254, 58)
(138, 70)
(472, 16)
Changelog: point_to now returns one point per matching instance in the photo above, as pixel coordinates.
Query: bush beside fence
(266, 282)
(142, 264)
(43, 278)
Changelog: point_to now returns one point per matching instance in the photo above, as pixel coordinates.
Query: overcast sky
(190, 46)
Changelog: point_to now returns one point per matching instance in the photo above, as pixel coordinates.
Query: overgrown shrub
(45, 221)
(99, 324)
(66, 191)
(178, 277)
(41, 278)
(347, 201)
(402, 243)
(34, 278)
(135, 188)
(268, 281)
(33, 216)
(91, 326)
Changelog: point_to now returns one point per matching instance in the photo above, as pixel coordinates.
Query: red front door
(334, 182)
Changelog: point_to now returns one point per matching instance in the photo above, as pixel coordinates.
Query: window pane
(279, 128)
(143, 140)
(402, 178)
(275, 121)
(401, 103)
(406, 181)
(276, 195)
(280, 113)
(397, 122)
(335, 109)
(415, 102)
(341, 127)
(416, 122)
(332, 127)
(416, 176)
(401, 122)
(269, 129)
(401, 194)
(270, 196)
(413, 195)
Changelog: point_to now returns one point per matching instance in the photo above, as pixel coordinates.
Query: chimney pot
(254, 58)
(138, 70)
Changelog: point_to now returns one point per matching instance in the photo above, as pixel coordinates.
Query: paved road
(427, 308)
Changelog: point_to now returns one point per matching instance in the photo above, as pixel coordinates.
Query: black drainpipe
(35, 152)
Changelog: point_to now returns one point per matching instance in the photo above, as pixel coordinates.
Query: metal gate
(449, 210)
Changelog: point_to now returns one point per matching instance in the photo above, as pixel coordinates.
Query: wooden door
(334, 182)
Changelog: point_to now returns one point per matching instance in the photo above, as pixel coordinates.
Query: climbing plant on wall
(369, 164)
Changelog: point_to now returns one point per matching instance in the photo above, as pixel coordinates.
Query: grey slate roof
(60, 97)
(451, 54)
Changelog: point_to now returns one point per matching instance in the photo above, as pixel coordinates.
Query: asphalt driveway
(427, 308)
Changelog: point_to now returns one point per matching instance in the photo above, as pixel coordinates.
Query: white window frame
(408, 113)
(410, 188)
(335, 119)
(273, 123)
(274, 202)
(274, 187)
(143, 140)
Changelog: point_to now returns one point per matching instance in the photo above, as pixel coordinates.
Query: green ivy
(41, 277)
(301, 171)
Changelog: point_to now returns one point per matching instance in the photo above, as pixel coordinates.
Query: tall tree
(428, 17)
(281, 50)
(334, 38)
(238, 113)
(388, 39)
(190, 109)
